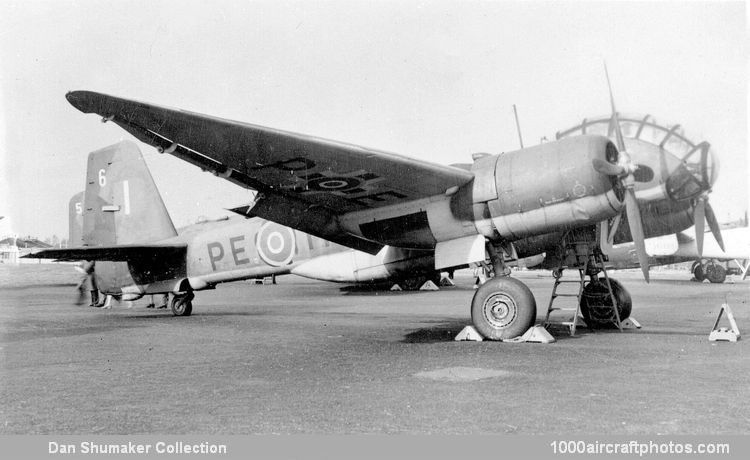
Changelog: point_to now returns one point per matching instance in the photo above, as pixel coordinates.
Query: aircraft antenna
(518, 126)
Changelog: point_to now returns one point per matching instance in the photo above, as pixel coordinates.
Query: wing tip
(85, 101)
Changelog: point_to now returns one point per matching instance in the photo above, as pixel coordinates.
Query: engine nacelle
(533, 191)
(548, 187)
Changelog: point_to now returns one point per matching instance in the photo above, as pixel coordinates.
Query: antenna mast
(518, 125)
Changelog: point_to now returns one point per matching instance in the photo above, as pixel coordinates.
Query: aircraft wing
(304, 182)
(116, 253)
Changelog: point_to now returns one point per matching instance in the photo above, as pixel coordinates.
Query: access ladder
(588, 263)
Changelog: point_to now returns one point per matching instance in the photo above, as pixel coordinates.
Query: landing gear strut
(182, 304)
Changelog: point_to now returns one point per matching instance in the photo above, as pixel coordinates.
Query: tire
(503, 308)
(182, 305)
(698, 271)
(716, 273)
(596, 304)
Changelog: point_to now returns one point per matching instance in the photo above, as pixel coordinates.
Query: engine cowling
(548, 187)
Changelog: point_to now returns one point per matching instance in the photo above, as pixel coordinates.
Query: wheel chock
(630, 323)
(429, 286)
(535, 334)
(470, 334)
(724, 334)
(445, 281)
(396, 287)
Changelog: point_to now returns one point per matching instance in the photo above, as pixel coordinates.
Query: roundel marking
(327, 184)
(275, 244)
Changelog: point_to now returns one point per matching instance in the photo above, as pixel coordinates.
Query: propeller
(624, 169)
(704, 212)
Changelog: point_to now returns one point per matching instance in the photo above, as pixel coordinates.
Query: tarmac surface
(311, 357)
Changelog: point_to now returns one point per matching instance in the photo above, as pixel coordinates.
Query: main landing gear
(596, 303)
(502, 307)
(600, 301)
(182, 304)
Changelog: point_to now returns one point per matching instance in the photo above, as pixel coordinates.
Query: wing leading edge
(304, 182)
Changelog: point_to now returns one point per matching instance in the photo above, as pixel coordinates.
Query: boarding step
(579, 260)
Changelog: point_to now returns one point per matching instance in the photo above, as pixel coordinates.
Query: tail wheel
(503, 308)
(596, 304)
(716, 273)
(182, 304)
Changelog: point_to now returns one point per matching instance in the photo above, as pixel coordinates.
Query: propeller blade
(607, 168)
(615, 118)
(713, 224)
(636, 230)
(699, 218)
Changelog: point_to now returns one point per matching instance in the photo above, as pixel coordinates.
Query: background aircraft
(682, 247)
(121, 222)
(548, 198)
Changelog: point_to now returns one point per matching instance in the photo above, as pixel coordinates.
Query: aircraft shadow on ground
(385, 290)
(443, 331)
(36, 286)
(52, 332)
(446, 331)
(205, 313)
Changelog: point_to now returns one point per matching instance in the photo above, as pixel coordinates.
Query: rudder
(121, 203)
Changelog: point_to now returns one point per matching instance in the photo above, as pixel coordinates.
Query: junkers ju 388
(563, 197)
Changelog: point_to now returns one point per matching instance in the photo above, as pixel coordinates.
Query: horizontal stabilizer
(116, 253)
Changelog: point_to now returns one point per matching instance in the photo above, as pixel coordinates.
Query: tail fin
(121, 203)
(75, 221)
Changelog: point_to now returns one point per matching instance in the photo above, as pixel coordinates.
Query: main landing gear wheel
(715, 273)
(182, 304)
(596, 304)
(698, 271)
(503, 308)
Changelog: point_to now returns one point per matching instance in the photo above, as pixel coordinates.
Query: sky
(432, 80)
